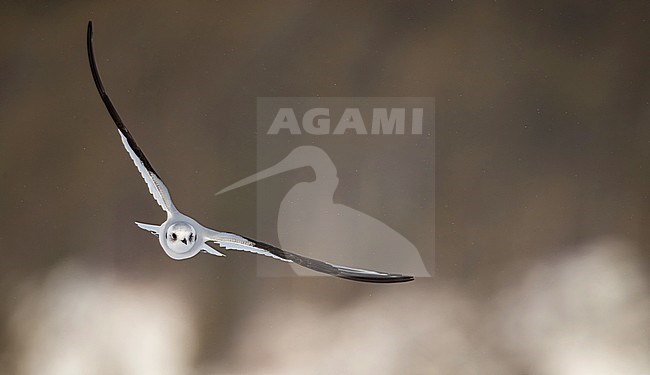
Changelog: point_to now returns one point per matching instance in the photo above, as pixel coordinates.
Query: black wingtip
(109, 105)
(388, 279)
(347, 273)
(89, 32)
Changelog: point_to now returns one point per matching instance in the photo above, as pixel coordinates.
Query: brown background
(542, 170)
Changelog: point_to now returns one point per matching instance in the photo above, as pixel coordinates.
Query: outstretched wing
(156, 187)
(233, 241)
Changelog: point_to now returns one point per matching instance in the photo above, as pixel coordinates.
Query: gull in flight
(183, 237)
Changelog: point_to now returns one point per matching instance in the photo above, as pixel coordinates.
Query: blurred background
(542, 181)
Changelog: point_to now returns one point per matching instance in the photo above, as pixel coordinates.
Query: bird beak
(298, 158)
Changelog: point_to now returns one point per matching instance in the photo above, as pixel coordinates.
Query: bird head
(180, 237)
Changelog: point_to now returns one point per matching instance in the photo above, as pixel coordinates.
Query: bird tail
(154, 229)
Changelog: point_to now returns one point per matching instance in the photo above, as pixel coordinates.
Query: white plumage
(183, 237)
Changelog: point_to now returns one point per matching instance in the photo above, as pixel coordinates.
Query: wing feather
(232, 241)
(156, 187)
